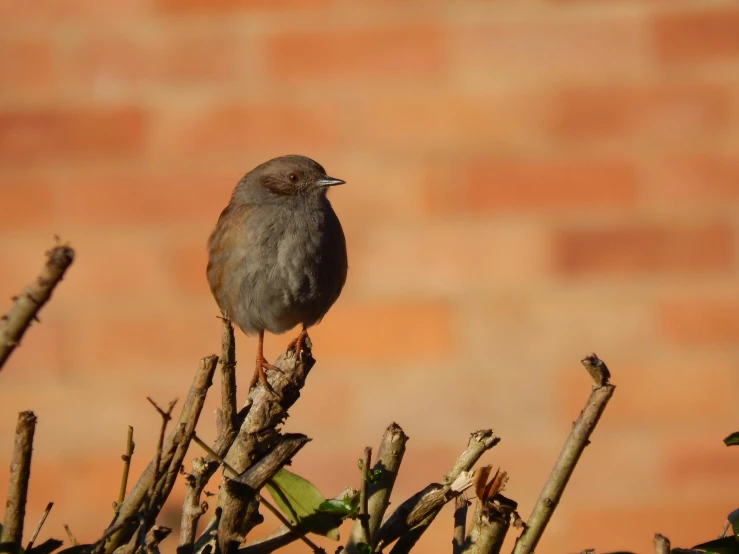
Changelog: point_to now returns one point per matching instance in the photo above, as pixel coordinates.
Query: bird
(277, 257)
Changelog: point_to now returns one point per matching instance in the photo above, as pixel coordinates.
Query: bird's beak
(329, 182)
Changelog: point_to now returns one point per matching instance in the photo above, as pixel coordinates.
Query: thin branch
(126, 467)
(577, 441)
(258, 432)
(166, 418)
(39, 526)
(151, 488)
(192, 507)
(20, 473)
(661, 544)
(363, 495)
(389, 456)
(408, 540)
(227, 420)
(262, 471)
(29, 302)
(430, 500)
(73, 541)
(489, 526)
(460, 522)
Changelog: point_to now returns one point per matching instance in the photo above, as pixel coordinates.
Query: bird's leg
(298, 342)
(262, 364)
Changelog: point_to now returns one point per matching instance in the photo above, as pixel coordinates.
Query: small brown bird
(277, 256)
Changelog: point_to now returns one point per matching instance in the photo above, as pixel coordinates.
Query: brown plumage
(277, 256)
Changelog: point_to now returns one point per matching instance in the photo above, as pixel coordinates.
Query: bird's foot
(298, 343)
(259, 374)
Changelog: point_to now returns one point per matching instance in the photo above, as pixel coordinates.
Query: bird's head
(287, 176)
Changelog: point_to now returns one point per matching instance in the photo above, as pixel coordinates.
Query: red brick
(664, 113)
(359, 55)
(551, 47)
(697, 35)
(186, 264)
(512, 185)
(643, 249)
(71, 10)
(701, 462)
(186, 6)
(385, 332)
(116, 267)
(26, 66)
(656, 395)
(70, 135)
(632, 528)
(41, 353)
(694, 180)
(136, 198)
(706, 321)
(168, 342)
(124, 64)
(445, 258)
(25, 204)
(378, 190)
(267, 129)
(430, 123)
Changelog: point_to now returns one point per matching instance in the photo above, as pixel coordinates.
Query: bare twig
(192, 508)
(126, 467)
(460, 522)
(39, 526)
(363, 517)
(73, 541)
(29, 302)
(253, 479)
(166, 418)
(20, 473)
(262, 471)
(256, 435)
(661, 544)
(151, 487)
(227, 420)
(408, 540)
(489, 526)
(389, 456)
(430, 500)
(568, 458)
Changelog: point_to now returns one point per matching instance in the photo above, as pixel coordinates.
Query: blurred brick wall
(527, 182)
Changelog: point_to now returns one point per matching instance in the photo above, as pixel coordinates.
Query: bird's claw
(297, 344)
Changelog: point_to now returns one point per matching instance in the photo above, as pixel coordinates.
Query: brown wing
(224, 257)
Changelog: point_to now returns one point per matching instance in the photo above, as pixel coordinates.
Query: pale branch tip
(573, 448)
(40, 524)
(597, 370)
(26, 305)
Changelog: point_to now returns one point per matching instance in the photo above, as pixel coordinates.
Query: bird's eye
(293, 177)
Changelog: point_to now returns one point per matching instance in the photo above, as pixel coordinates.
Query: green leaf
(336, 507)
(732, 440)
(299, 500)
(727, 545)
(373, 475)
(364, 548)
